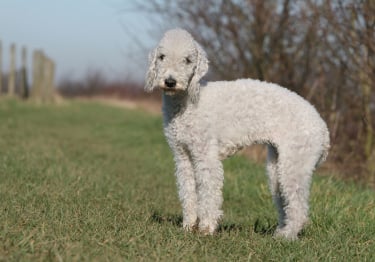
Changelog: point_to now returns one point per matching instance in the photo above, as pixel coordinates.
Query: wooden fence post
(1, 67)
(49, 76)
(43, 77)
(24, 84)
(12, 71)
(36, 91)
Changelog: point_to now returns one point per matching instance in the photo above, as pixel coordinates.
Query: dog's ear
(200, 70)
(151, 72)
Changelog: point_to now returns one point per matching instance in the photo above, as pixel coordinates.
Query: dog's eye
(187, 60)
(161, 57)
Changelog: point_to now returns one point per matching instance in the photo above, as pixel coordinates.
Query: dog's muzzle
(169, 86)
(170, 82)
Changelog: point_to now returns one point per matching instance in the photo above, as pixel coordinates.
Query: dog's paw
(190, 227)
(286, 234)
(207, 229)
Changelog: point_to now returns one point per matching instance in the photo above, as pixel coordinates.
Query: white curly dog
(205, 122)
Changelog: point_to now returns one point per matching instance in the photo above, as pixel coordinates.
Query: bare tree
(323, 50)
(352, 44)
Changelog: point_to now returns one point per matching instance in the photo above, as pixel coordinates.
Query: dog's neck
(174, 105)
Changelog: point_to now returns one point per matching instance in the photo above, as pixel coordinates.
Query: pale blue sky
(79, 35)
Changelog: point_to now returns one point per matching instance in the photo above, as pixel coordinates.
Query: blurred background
(322, 50)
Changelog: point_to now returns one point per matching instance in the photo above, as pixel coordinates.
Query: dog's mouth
(165, 88)
(169, 90)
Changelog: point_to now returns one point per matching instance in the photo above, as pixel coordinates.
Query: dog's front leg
(209, 176)
(186, 188)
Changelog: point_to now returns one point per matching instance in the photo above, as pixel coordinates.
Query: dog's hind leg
(273, 179)
(294, 178)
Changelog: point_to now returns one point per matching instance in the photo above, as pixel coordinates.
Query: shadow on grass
(176, 220)
(262, 227)
(266, 227)
(173, 219)
(230, 227)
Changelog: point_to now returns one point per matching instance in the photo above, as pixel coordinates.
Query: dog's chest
(180, 130)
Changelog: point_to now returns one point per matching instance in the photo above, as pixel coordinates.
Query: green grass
(83, 181)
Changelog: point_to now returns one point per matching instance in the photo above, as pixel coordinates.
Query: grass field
(88, 182)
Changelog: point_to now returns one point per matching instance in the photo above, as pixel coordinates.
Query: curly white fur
(207, 122)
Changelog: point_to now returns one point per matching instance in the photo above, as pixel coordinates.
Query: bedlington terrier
(205, 122)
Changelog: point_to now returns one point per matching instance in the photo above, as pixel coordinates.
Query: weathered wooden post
(24, 84)
(43, 77)
(36, 91)
(1, 67)
(49, 76)
(12, 71)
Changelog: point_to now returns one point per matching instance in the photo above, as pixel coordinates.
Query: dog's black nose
(170, 82)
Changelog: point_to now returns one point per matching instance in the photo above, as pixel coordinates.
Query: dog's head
(176, 65)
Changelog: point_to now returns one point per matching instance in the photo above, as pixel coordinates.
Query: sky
(79, 35)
